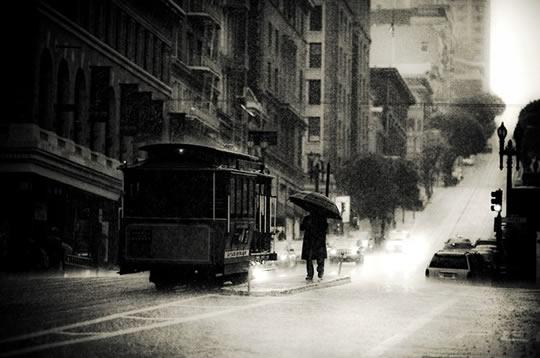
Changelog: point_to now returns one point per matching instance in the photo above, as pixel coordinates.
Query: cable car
(195, 212)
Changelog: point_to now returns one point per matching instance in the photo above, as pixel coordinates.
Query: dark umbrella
(316, 203)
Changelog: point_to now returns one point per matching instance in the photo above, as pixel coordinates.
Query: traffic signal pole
(496, 205)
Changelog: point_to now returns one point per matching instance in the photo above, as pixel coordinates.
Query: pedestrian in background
(315, 228)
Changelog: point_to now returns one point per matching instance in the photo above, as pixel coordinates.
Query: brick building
(391, 98)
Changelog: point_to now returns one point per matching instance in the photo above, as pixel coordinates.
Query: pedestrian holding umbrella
(316, 203)
(315, 228)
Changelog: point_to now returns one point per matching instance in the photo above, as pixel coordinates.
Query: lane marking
(411, 328)
(97, 320)
(148, 318)
(80, 333)
(126, 331)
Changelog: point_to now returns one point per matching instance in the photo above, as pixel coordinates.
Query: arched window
(61, 125)
(80, 127)
(44, 94)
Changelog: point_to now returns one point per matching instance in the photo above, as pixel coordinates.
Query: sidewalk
(68, 272)
(271, 281)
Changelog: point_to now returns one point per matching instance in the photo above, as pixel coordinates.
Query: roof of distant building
(378, 74)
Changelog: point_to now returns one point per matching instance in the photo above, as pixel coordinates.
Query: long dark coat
(314, 243)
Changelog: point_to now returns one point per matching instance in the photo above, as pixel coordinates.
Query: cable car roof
(184, 155)
(166, 149)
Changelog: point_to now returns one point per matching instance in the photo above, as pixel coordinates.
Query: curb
(242, 290)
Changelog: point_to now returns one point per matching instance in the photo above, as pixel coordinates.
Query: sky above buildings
(515, 51)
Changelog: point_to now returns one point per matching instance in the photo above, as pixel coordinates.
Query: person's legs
(320, 267)
(309, 267)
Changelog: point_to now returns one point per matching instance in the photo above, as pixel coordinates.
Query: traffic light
(496, 200)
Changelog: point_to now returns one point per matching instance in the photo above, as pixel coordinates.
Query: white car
(470, 160)
(345, 250)
(458, 243)
(455, 265)
(396, 241)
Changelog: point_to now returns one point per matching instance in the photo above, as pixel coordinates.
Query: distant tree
(483, 108)
(377, 186)
(527, 135)
(406, 179)
(369, 182)
(464, 134)
(430, 164)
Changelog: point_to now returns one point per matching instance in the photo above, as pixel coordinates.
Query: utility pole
(327, 178)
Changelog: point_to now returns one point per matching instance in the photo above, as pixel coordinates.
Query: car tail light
(427, 272)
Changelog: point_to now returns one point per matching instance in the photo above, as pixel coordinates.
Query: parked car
(345, 249)
(491, 243)
(470, 160)
(455, 265)
(458, 243)
(487, 248)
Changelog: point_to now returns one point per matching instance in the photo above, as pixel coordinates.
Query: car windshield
(449, 261)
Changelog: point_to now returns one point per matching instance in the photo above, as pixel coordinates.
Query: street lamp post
(509, 151)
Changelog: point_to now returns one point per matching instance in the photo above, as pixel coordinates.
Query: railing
(237, 4)
(80, 261)
(29, 135)
(234, 60)
(204, 8)
(205, 111)
(198, 62)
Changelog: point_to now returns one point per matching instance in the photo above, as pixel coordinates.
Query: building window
(314, 129)
(270, 30)
(315, 55)
(315, 19)
(269, 79)
(277, 42)
(314, 91)
(301, 86)
(276, 80)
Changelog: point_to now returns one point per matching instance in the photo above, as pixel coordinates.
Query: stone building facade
(416, 37)
(95, 80)
(277, 52)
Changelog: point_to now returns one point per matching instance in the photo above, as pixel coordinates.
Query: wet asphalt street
(388, 309)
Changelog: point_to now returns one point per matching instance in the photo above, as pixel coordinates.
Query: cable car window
(238, 197)
(245, 197)
(221, 195)
(233, 196)
(181, 194)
